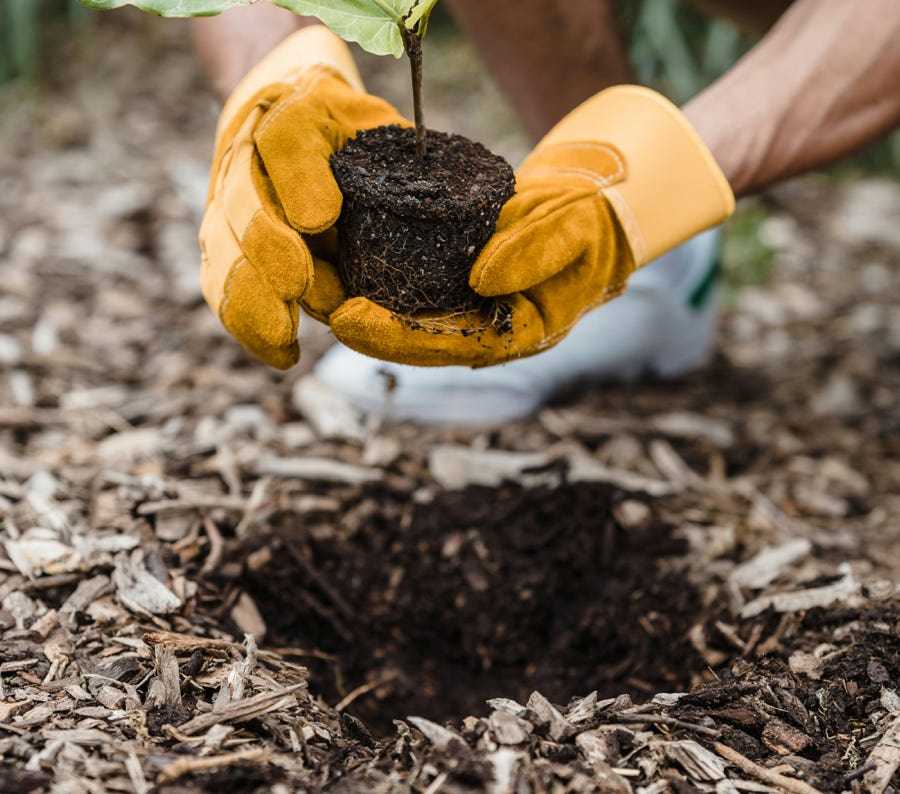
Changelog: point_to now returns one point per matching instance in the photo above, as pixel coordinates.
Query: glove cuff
(311, 46)
(673, 187)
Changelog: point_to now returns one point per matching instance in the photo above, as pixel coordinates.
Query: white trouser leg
(664, 324)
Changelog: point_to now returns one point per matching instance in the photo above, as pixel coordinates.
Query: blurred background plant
(27, 29)
(678, 50)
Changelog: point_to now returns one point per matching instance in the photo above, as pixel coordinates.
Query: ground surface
(700, 575)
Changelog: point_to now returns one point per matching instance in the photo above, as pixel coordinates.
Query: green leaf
(171, 8)
(373, 24)
(417, 21)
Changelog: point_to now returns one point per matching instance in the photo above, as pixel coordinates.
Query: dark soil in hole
(411, 227)
(483, 593)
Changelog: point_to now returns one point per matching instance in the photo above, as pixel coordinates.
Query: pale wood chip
(698, 762)
(192, 503)
(890, 701)
(80, 736)
(40, 551)
(672, 466)
(584, 708)
(327, 410)
(41, 713)
(770, 563)
(506, 704)
(690, 425)
(593, 745)
(845, 589)
(442, 738)
(504, 763)
(140, 590)
(245, 709)
(584, 468)
(234, 683)
(247, 617)
(455, 467)
(886, 758)
(547, 714)
(508, 728)
(318, 469)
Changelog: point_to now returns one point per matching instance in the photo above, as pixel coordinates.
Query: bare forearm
(821, 84)
(231, 44)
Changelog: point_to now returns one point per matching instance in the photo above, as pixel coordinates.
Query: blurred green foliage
(25, 29)
(677, 49)
(745, 257)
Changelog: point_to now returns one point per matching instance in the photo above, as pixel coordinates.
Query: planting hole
(479, 594)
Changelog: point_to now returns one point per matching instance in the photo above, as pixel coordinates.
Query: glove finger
(244, 302)
(326, 293)
(541, 231)
(274, 249)
(252, 310)
(300, 133)
(278, 357)
(434, 340)
(562, 301)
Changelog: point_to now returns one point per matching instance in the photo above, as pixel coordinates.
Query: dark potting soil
(479, 594)
(411, 228)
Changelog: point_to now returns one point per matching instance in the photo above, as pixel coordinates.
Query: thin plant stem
(413, 46)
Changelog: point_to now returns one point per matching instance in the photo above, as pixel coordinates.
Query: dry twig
(788, 784)
(184, 766)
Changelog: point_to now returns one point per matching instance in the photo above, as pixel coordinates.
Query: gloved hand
(272, 197)
(620, 180)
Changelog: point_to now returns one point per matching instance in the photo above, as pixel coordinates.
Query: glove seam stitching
(605, 148)
(594, 177)
(629, 222)
(226, 291)
(253, 217)
(610, 292)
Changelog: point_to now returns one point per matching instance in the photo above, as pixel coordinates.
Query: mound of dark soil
(481, 593)
(411, 227)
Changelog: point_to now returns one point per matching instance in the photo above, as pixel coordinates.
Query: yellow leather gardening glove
(619, 181)
(272, 194)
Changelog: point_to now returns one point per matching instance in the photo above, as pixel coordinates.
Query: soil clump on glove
(411, 227)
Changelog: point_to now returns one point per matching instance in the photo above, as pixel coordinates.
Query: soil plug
(411, 227)
(418, 205)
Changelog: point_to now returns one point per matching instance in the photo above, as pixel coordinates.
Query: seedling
(413, 220)
(383, 27)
